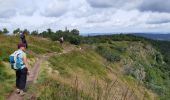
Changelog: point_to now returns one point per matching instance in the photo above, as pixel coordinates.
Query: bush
(75, 40)
(108, 54)
(3, 55)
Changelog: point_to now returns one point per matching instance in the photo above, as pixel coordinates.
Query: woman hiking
(22, 72)
(23, 39)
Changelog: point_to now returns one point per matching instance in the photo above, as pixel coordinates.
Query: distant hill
(153, 36)
(165, 37)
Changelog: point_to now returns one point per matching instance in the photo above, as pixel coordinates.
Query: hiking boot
(22, 93)
(17, 91)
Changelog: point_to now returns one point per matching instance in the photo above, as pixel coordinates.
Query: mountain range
(154, 36)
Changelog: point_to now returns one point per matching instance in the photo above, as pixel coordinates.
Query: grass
(49, 88)
(42, 45)
(8, 46)
(89, 60)
(7, 81)
(86, 60)
(53, 89)
(35, 44)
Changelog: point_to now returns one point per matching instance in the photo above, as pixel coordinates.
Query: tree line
(72, 36)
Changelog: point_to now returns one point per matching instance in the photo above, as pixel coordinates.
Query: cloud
(158, 18)
(155, 6)
(142, 5)
(27, 8)
(6, 13)
(7, 8)
(55, 8)
(113, 3)
(100, 3)
(10, 8)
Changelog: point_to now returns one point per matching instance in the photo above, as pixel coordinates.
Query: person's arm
(25, 62)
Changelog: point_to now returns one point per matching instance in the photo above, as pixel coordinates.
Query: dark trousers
(21, 78)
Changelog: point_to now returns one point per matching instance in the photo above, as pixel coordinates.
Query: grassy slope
(8, 44)
(96, 77)
(84, 73)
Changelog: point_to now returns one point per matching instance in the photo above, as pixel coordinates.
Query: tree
(43, 34)
(35, 33)
(26, 32)
(16, 31)
(5, 31)
(1, 32)
(75, 32)
(59, 31)
(49, 31)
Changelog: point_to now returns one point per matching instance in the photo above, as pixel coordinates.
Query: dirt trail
(31, 78)
(35, 70)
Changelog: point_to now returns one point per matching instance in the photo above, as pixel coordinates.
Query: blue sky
(89, 16)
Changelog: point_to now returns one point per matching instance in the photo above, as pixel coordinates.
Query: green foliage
(16, 31)
(3, 55)
(41, 46)
(113, 48)
(74, 40)
(53, 89)
(75, 32)
(2, 73)
(8, 46)
(108, 54)
(164, 48)
(35, 33)
(25, 31)
(4, 31)
(157, 72)
(1, 32)
(72, 37)
(111, 38)
(6, 80)
(88, 61)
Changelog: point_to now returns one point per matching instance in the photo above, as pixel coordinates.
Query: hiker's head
(22, 46)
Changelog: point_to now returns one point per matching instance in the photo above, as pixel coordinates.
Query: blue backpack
(15, 60)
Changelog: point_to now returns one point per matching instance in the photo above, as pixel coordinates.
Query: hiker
(20, 65)
(61, 40)
(23, 40)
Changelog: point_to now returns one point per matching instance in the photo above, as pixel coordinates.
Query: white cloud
(55, 8)
(159, 18)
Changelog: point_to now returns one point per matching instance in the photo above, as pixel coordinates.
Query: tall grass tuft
(54, 90)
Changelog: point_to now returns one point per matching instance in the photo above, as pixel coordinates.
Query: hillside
(8, 44)
(163, 37)
(99, 68)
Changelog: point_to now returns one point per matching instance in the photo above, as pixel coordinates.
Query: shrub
(75, 40)
(108, 54)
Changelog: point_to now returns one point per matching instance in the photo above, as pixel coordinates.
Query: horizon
(110, 33)
(101, 33)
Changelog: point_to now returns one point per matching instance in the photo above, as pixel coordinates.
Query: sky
(88, 16)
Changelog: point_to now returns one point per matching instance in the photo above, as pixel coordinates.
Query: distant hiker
(61, 40)
(23, 39)
(19, 63)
